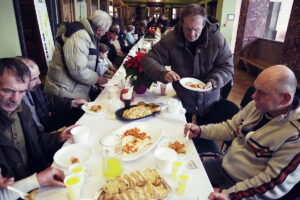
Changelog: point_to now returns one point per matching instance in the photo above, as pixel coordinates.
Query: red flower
(135, 70)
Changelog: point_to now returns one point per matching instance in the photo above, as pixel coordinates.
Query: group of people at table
(262, 162)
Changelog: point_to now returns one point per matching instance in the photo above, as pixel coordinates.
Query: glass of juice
(73, 186)
(111, 150)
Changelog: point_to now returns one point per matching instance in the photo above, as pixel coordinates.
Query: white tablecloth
(172, 125)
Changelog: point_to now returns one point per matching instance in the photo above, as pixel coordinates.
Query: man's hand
(51, 176)
(194, 130)
(66, 133)
(78, 102)
(102, 80)
(218, 196)
(112, 68)
(4, 182)
(208, 86)
(171, 76)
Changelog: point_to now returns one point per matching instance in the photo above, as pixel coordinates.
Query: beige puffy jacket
(80, 55)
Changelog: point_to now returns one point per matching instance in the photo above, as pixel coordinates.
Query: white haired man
(72, 72)
(263, 160)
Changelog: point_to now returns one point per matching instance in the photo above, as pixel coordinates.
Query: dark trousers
(217, 175)
(58, 120)
(202, 145)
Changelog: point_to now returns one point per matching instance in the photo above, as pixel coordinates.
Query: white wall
(9, 38)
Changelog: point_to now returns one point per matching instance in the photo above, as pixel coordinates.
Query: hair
(103, 48)
(101, 19)
(27, 61)
(130, 28)
(192, 10)
(20, 69)
(285, 79)
(113, 30)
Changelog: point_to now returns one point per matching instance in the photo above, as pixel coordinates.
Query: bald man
(263, 160)
(50, 112)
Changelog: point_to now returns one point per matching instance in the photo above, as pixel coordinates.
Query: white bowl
(164, 157)
(80, 134)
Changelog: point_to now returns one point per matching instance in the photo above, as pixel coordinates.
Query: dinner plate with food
(193, 84)
(139, 111)
(94, 108)
(184, 148)
(137, 185)
(137, 139)
(74, 153)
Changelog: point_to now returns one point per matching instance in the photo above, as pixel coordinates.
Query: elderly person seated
(130, 36)
(23, 149)
(71, 72)
(263, 160)
(48, 177)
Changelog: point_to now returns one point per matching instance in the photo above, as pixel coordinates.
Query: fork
(188, 133)
(23, 195)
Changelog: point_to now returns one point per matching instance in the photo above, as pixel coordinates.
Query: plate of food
(140, 185)
(193, 84)
(139, 111)
(137, 139)
(74, 153)
(93, 108)
(184, 148)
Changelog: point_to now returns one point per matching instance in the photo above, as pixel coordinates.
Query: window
(174, 13)
(278, 19)
(111, 10)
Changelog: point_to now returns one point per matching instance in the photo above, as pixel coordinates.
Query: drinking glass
(111, 147)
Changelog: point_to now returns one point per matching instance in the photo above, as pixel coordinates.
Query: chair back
(247, 96)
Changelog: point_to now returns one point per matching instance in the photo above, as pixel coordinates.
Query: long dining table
(171, 125)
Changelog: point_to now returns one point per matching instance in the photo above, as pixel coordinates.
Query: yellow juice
(77, 169)
(112, 167)
(182, 184)
(175, 168)
(72, 181)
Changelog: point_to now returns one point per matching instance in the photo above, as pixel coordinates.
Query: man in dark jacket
(49, 112)
(23, 150)
(195, 49)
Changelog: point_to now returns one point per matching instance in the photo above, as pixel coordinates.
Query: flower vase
(141, 89)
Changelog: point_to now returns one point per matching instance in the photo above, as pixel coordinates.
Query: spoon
(23, 195)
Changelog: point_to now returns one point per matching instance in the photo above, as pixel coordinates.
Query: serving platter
(100, 193)
(119, 114)
(154, 132)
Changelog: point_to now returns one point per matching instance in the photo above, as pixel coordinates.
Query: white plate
(188, 146)
(87, 108)
(63, 156)
(153, 131)
(184, 82)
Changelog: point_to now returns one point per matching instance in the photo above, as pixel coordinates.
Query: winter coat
(40, 147)
(46, 103)
(212, 62)
(80, 52)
